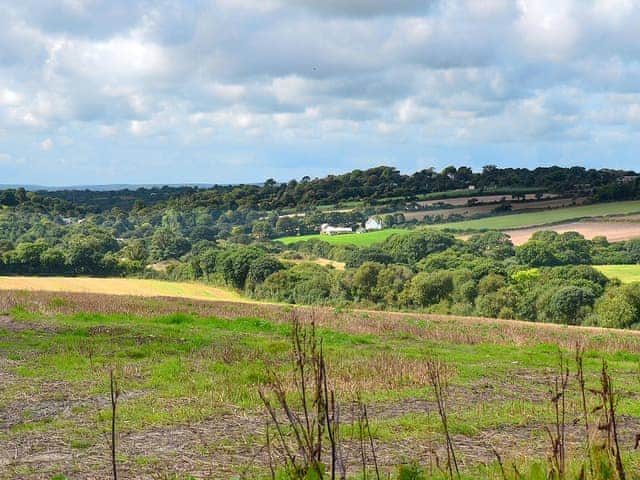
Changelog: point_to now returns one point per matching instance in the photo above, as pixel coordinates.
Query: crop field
(120, 286)
(189, 372)
(624, 273)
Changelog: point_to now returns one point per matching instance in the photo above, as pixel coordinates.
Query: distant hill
(103, 188)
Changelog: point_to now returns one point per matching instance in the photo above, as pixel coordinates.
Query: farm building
(326, 229)
(373, 223)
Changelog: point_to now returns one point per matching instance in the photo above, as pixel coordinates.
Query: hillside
(189, 373)
(506, 222)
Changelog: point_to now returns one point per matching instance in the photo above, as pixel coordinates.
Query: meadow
(189, 371)
(497, 222)
(359, 239)
(624, 273)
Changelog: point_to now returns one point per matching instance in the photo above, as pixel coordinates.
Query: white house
(326, 229)
(373, 223)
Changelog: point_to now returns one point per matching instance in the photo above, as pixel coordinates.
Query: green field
(360, 239)
(546, 217)
(624, 273)
(498, 222)
(189, 373)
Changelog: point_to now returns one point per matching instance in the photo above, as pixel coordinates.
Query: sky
(230, 91)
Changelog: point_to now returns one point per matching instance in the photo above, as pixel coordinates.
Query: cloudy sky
(127, 91)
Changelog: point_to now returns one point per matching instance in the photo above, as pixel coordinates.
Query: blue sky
(126, 91)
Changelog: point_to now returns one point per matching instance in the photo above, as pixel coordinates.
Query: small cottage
(373, 223)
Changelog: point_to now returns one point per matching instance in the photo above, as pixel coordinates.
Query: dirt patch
(8, 324)
(613, 231)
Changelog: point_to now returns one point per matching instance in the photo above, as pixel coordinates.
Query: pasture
(189, 373)
(545, 217)
(359, 239)
(624, 273)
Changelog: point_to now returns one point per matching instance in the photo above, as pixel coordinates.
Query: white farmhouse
(373, 223)
(326, 229)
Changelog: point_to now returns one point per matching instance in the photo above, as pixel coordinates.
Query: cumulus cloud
(46, 144)
(310, 79)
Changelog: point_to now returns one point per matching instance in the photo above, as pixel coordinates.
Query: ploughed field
(189, 373)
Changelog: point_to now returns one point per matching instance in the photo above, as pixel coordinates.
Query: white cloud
(9, 97)
(243, 73)
(46, 144)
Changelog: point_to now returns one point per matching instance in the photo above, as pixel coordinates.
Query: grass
(189, 372)
(360, 239)
(497, 222)
(120, 286)
(546, 217)
(624, 273)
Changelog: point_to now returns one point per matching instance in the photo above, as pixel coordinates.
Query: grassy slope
(120, 286)
(203, 371)
(361, 239)
(546, 217)
(498, 222)
(625, 273)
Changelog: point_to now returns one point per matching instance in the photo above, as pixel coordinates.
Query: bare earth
(614, 231)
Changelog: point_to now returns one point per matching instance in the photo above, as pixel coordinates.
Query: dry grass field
(120, 286)
(189, 372)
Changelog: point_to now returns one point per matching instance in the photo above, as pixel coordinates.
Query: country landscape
(446, 344)
(319, 240)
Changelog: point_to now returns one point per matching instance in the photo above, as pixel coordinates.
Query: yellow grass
(120, 286)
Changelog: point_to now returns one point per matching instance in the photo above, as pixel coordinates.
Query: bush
(412, 247)
(429, 288)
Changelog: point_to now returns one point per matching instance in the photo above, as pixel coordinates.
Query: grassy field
(625, 273)
(120, 286)
(360, 239)
(189, 372)
(546, 217)
(498, 222)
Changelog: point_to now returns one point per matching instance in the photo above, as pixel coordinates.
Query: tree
(536, 253)
(365, 280)
(410, 248)
(234, 264)
(429, 288)
(496, 245)
(494, 304)
(614, 310)
(166, 244)
(568, 305)
(490, 283)
(260, 269)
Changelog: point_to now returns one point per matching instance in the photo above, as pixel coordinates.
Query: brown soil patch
(613, 231)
